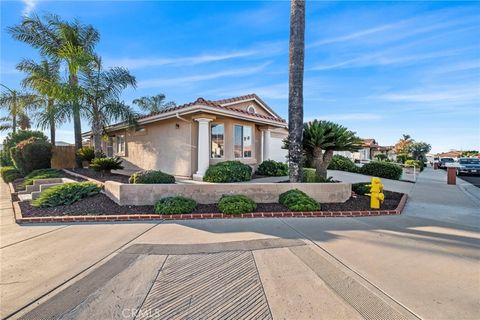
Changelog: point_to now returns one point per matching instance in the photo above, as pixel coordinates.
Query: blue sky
(380, 68)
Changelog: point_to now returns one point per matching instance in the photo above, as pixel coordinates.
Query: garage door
(276, 151)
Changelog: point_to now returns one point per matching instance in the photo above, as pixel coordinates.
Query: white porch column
(266, 144)
(202, 148)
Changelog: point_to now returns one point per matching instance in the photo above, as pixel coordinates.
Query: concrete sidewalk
(421, 264)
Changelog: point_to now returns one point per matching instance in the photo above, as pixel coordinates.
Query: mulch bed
(102, 205)
(101, 176)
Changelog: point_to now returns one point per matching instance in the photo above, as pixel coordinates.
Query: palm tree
(295, 89)
(16, 103)
(45, 79)
(153, 104)
(101, 90)
(322, 138)
(68, 42)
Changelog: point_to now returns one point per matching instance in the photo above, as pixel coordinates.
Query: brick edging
(142, 217)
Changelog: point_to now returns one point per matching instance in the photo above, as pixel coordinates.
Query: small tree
(321, 138)
(403, 144)
(418, 150)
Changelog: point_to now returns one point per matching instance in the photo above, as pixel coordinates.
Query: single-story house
(185, 140)
(370, 148)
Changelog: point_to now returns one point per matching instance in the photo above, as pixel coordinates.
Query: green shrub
(381, 157)
(151, 177)
(382, 169)
(236, 204)
(66, 194)
(361, 188)
(13, 139)
(273, 168)
(5, 159)
(309, 176)
(296, 200)
(419, 164)
(41, 174)
(175, 205)
(85, 154)
(228, 171)
(342, 163)
(106, 164)
(402, 157)
(31, 154)
(9, 174)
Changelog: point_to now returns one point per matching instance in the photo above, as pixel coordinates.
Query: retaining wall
(148, 194)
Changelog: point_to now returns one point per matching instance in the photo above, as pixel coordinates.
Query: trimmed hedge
(31, 154)
(418, 164)
(151, 177)
(382, 169)
(361, 188)
(273, 168)
(228, 171)
(66, 194)
(106, 164)
(5, 159)
(175, 205)
(342, 163)
(9, 174)
(41, 174)
(236, 204)
(296, 200)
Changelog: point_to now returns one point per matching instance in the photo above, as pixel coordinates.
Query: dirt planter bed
(101, 208)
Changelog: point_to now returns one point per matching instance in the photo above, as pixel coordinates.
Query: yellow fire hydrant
(376, 193)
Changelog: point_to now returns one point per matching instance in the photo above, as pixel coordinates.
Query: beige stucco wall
(148, 194)
(162, 147)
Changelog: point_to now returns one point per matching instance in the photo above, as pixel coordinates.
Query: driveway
(422, 264)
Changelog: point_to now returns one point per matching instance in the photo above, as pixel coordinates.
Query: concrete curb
(194, 216)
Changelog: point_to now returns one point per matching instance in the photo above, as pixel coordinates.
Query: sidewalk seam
(352, 270)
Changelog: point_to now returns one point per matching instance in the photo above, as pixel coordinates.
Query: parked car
(468, 166)
(443, 162)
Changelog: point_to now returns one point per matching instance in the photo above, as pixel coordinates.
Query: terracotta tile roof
(369, 143)
(247, 97)
(218, 104)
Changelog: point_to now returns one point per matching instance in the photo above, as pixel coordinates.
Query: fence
(63, 157)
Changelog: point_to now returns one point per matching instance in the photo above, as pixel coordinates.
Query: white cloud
(347, 117)
(139, 63)
(351, 36)
(259, 50)
(440, 95)
(158, 82)
(29, 7)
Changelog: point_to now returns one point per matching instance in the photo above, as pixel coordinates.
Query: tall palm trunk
(51, 120)
(97, 131)
(77, 124)
(295, 89)
(14, 113)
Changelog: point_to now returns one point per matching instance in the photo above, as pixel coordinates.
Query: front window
(242, 141)
(217, 133)
(121, 144)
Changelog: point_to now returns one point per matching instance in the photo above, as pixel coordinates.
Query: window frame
(124, 144)
(210, 139)
(252, 140)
